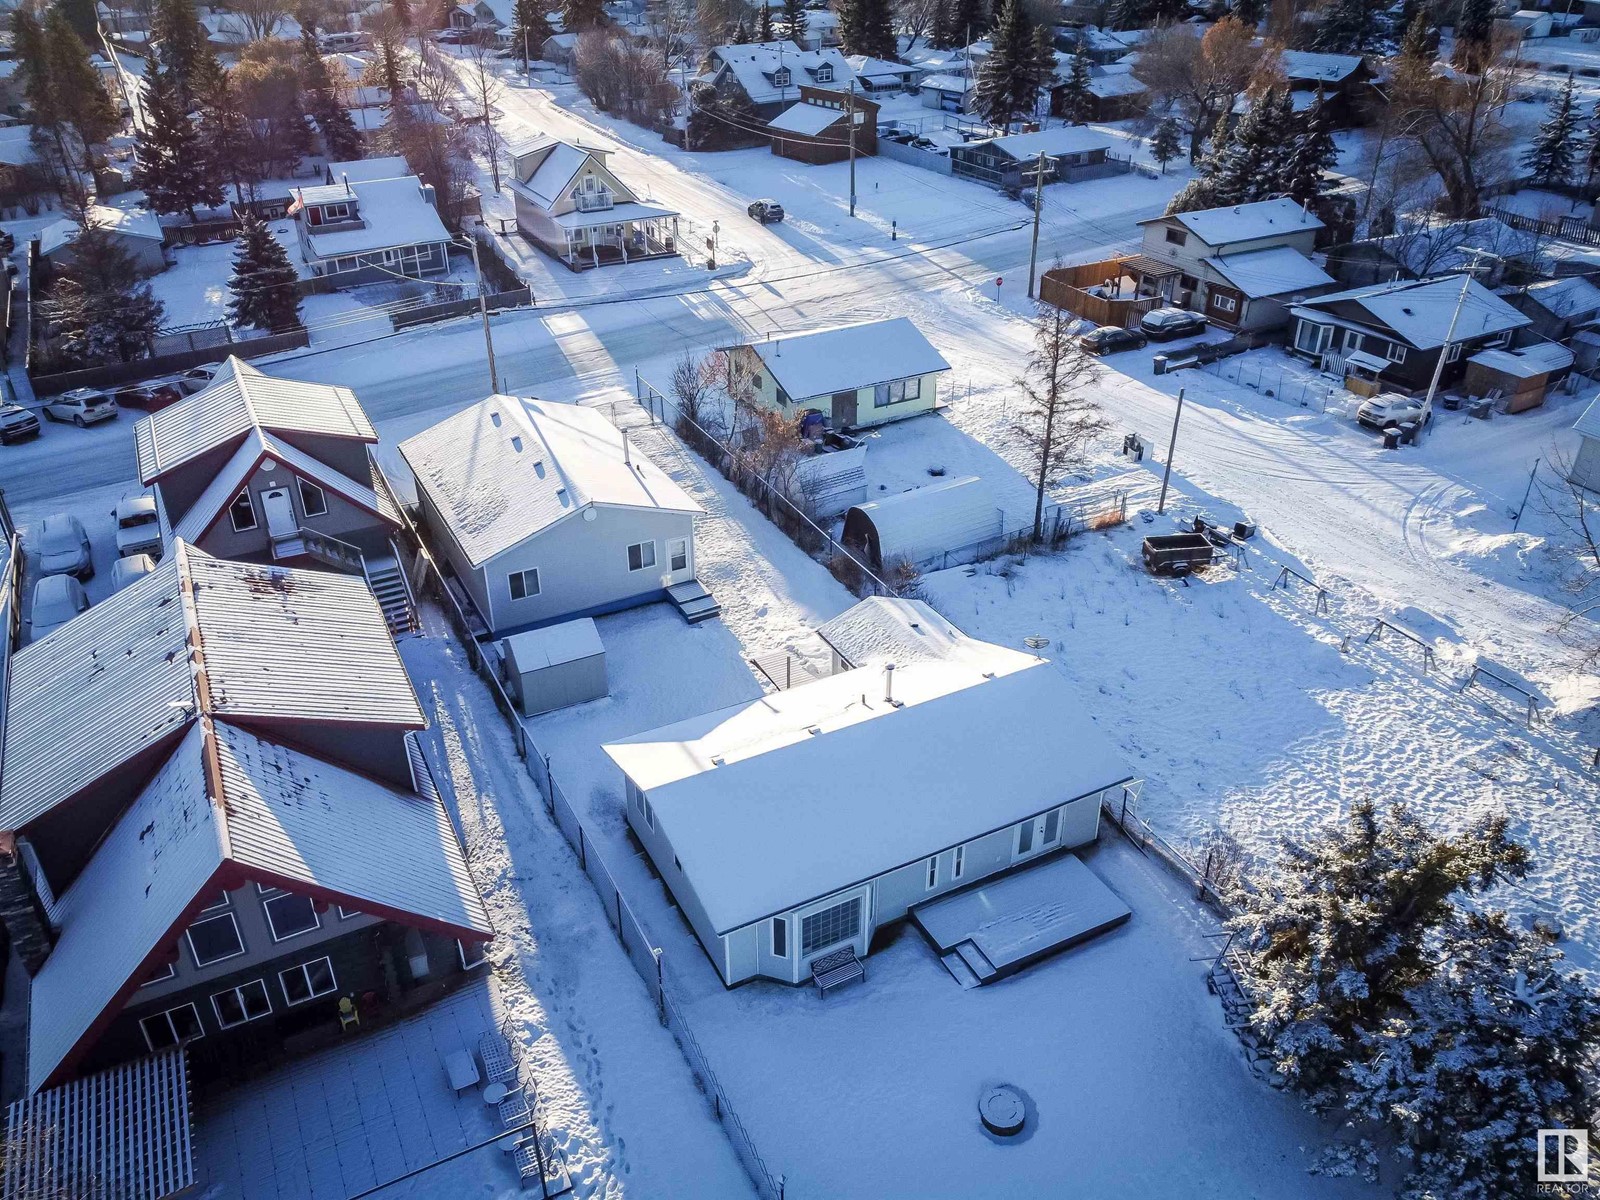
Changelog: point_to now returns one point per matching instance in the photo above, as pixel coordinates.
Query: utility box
(555, 667)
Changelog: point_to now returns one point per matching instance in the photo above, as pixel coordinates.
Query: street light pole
(483, 313)
(852, 147)
(1166, 471)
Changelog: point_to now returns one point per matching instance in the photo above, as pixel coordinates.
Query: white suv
(81, 406)
(1391, 408)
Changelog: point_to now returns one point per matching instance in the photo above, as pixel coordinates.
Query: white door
(280, 513)
(1352, 341)
(1036, 836)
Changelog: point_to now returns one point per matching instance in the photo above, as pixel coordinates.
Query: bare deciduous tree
(261, 18)
(1199, 79)
(1059, 422)
(1576, 511)
(484, 90)
(694, 382)
(624, 77)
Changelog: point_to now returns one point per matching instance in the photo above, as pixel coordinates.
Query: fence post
(549, 792)
(661, 987)
(583, 853)
(620, 934)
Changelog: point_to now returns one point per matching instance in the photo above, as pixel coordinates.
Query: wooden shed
(1521, 376)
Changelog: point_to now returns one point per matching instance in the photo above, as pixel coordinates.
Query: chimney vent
(888, 686)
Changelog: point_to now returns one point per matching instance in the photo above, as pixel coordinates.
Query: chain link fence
(1276, 383)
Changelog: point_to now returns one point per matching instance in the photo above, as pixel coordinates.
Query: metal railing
(595, 201)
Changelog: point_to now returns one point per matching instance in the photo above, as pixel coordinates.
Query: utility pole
(1444, 350)
(1526, 492)
(1038, 207)
(1166, 471)
(483, 312)
(852, 147)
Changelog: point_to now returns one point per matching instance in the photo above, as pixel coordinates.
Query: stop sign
(998, 280)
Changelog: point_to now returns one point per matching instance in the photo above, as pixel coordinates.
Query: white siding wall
(472, 578)
(660, 848)
(1586, 466)
(749, 369)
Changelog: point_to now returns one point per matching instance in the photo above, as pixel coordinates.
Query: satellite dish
(588, 514)
(1035, 643)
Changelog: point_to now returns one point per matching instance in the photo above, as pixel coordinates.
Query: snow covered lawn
(194, 289)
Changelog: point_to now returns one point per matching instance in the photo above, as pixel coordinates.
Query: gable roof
(125, 222)
(1572, 295)
(849, 356)
(505, 469)
(807, 119)
(1275, 271)
(198, 634)
(1306, 66)
(228, 808)
(1588, 422)
(1243, 222)
(1420, 310)
(755, 64)
(240, 398)
(558, 166)
(394, 212)
(889, 629)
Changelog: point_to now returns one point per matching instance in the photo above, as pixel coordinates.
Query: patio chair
(348, 1016)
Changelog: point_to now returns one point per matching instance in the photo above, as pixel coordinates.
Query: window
(1224, 303)
(1500, 339)
(678, 553)
(933, 872)
(1187, 283)
(346, 913)
(780, 937)
(247, 1002)
(524, 584)
(1025, 837)
(641, 555)
(242, 513)
(780, 77)
(961, 862)
(900, 390)
(649, 813)
(215, 939)
(755, 382)
(335, 212)
(171, 1028)
(830, 926)
(313, 501)
(1052, 825)
(1352, 341)
(160, 973)
(307, 981)
(1177, 236)
(1395, 352)
(472, 954)
(290, 915)
(1452, 352)
(1311, 338)
(825, 73)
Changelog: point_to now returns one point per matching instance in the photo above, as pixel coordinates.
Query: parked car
(125, 570)
(1391, 408)
(81, 406)
(768, 212)
(1109, 339)
(56, 600)
(197, 379)
(16, 424)
(151, 395)
(63, 547)
(138, 526)
(1165, 324)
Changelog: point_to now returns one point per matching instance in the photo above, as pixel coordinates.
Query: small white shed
(1585, 469)
(555, 667)
(930, 527)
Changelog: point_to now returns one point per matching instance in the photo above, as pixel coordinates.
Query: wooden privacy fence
(1068, 288)
(519, 297)
(110, 375)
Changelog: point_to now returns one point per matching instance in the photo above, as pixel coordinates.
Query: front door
(280, 513)
(1038, 835)
(1352, 341)
(844, 409)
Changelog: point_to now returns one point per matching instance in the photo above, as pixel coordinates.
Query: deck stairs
(693, 601)
(393, 592)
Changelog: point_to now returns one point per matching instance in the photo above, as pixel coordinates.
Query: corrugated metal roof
(505, 469)
(927, 521)
(303, 819)
(147, 872)
(105, 686)
(239, 398)
(299, 645)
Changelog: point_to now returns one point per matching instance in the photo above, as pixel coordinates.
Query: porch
(625, 233)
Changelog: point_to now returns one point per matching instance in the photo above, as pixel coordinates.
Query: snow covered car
(56, 600)
(1165, 324)
(1391, 408)
(1109, 339)
(196, 379)
(81, 406)
(16, 423)
(125, 570)
(138, 526)
(768, 212)
(63, 547)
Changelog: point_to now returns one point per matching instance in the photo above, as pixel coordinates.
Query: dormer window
(780, 77)
(825, 73)
(327, 213)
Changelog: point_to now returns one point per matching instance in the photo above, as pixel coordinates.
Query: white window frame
(250, 505)
(643, 564)
(1452, 352)
(321, 510)
(1395, 352)
(172, 971)
(933, 872)
(1352, 341)
(678, 548)
(1223, 303)
(304, 970)
(1321, 338)
(195, 958)
(266, 910)
(781, 77)
(478, 958)
(825, 73)
(171, 1028)
(238, 994)
(960, 865)
(649, 813)
(216, 906)
(339, 210)
(833, 902)
(521, 577)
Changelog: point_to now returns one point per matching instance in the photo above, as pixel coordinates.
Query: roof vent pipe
(626, 454)
(888, 684)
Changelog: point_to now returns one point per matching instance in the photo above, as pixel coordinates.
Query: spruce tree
(794, 20)
(741, 34)
(1241, 170)
(1346, 27)
(1474, 34)
(81, 98)
(82, 17)
(1008, 81)
(100, 304)
(579, 15)
(180, 42)
(1553, 152)
(871, 30)
(1076, 99)
(942, 33)
(764, 23)
(263, 282)
(1167, 143)
(339, 137)
(224, 133)
(531, 28)
(969, 21)
(170, 160)
(1313, 152)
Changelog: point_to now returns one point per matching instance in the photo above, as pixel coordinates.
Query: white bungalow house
(1585, 469)
(857, 375)
(796, 826)
(570, 204)
(545, 512)
(370, 231)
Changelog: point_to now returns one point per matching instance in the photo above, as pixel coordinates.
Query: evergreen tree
(82, 17)
(1553, 152)
(1242, 168)
(867, 27)
(764, 23)
(1167, 143)
(1346, 27)
(181, 45)
(81, 98)
(969, 21)
(1591, 150)
(224, 133)
(32, 48)
(263, 282)
(741, 34)
(1076, 99)
(1417, 45)
(794, 20)
(1008, 80)
(100, 304)
(339, 136)
(579, 15)
(1044, 66)
(530, 27)
(170, 160)
(1474, 34)
(942, 33)
(1313, 152)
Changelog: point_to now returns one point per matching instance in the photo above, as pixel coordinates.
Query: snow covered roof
(850, 356)
(1304, 66)
(923, 522)
(958, 84)
(228, 808)
(755, 66)
(1275, 271)
(630, 210)
(241, 398)
(198, 634)
(1570, 296)
(394, 212)
(364, 170)
(1420, 310)
(867, 67)
(1428, 246)
(1056, 141)
(125, 222)
(1527, 363)
(557, 166)
(1588, 422)
(505, 469)
(1244, 222)
(806, 118)
(736, 791)
(889, 629)
(554, 645)
(1119, 83)
(16, 145)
